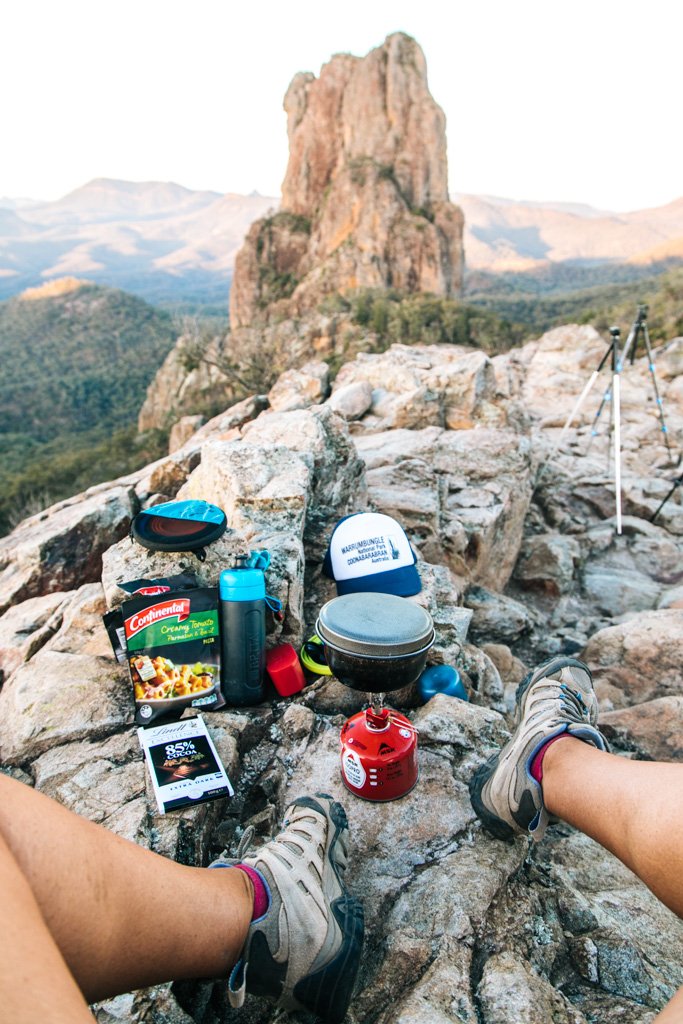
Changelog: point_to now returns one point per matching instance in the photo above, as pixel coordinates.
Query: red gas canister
(379, 754)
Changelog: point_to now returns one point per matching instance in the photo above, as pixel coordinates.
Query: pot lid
(375, 625)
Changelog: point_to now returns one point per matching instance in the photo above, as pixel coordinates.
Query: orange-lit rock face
(365, 196)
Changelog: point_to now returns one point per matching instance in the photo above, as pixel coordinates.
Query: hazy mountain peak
(52, 289)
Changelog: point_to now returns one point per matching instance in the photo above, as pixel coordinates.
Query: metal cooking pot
(375, 642)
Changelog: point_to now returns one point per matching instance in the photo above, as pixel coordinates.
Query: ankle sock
(536, 767)
(261, 893)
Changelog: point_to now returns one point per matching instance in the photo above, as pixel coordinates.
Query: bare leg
(35, 982)
(119, 917)
(633, 808)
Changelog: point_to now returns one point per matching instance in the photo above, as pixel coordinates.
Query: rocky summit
(365, 196)
(519, 559)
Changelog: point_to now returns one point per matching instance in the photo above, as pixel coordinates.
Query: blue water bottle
(242, 593)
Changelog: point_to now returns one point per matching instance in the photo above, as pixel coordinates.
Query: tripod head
(641, 315)
(615, 334)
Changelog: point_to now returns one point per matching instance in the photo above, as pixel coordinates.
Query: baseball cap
(369, 551)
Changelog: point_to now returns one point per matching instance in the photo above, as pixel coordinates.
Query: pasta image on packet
(173, 652)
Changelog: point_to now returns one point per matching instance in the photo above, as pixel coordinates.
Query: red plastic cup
(284, 669)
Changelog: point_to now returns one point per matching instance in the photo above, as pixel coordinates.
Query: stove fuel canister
(379, 754)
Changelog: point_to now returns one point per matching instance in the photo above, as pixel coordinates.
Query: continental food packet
(173, 652)
(113, 621)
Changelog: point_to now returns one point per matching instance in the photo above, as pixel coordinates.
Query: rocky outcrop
(365, 196)
(518, 559)
(62, 547)
(192, 377)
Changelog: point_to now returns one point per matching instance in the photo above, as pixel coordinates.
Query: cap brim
(402, 582)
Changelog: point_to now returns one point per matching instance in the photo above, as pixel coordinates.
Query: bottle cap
(242, 585)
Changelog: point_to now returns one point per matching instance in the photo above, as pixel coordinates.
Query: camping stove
(376, 643)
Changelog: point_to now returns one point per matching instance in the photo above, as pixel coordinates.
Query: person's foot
(558, 698)
(305, 950)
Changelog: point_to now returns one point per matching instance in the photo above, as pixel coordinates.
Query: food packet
(173, 652)
(113, 621)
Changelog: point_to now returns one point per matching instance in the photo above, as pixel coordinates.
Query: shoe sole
(495, 825)
(328, 991)
(491, 822)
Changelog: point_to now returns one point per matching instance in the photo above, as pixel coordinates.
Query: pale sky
(575, 101)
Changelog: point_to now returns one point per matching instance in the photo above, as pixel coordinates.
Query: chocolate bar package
(173, 652)
(184, 764)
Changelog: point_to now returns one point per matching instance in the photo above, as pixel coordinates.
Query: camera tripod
(638, 328)
(612, 395)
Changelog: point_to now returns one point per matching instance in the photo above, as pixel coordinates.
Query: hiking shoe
(557, 698)
(305, 950)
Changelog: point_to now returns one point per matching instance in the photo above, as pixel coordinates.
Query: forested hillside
(600, 305)
(75, 361)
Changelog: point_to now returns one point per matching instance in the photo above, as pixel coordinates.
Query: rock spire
(365, 197)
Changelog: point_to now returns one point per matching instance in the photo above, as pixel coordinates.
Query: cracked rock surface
(519, 560)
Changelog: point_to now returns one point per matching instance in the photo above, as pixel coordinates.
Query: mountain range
(172, 245)
(158, 240)
(502, 235)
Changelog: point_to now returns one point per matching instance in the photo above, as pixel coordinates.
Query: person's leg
(112, 916)
(121, 916)
(633, 808)
(35, 983)
(556, 763)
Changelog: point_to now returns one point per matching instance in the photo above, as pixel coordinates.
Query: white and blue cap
(369, 551)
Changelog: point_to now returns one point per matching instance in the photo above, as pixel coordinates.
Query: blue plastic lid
(441, 679)
(242, 585)
(179, 526)
(193, 509)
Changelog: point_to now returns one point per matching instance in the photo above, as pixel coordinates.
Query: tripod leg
(632, 334)
(575, 412)
(616, 409)
(677, 483)
(658, 399)
(607, 397)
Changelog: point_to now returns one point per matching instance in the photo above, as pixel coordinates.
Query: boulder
(98, 779)
(26, 627)
(182, 430)
(258, 486)
(128, 561)
(462, 495)
(653, 730)
(300, 388)
(81, 630)
(638, 660)
(495, 618)
(511, 669)
(417, 386)
(511, 990)
(616, 591)
(548, 562)
(62, 547)
(58, 698)
(351, 401)
(337, 483)
(624, 945)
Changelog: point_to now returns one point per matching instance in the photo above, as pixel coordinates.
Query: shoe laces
(242, 847)
(573, 704)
